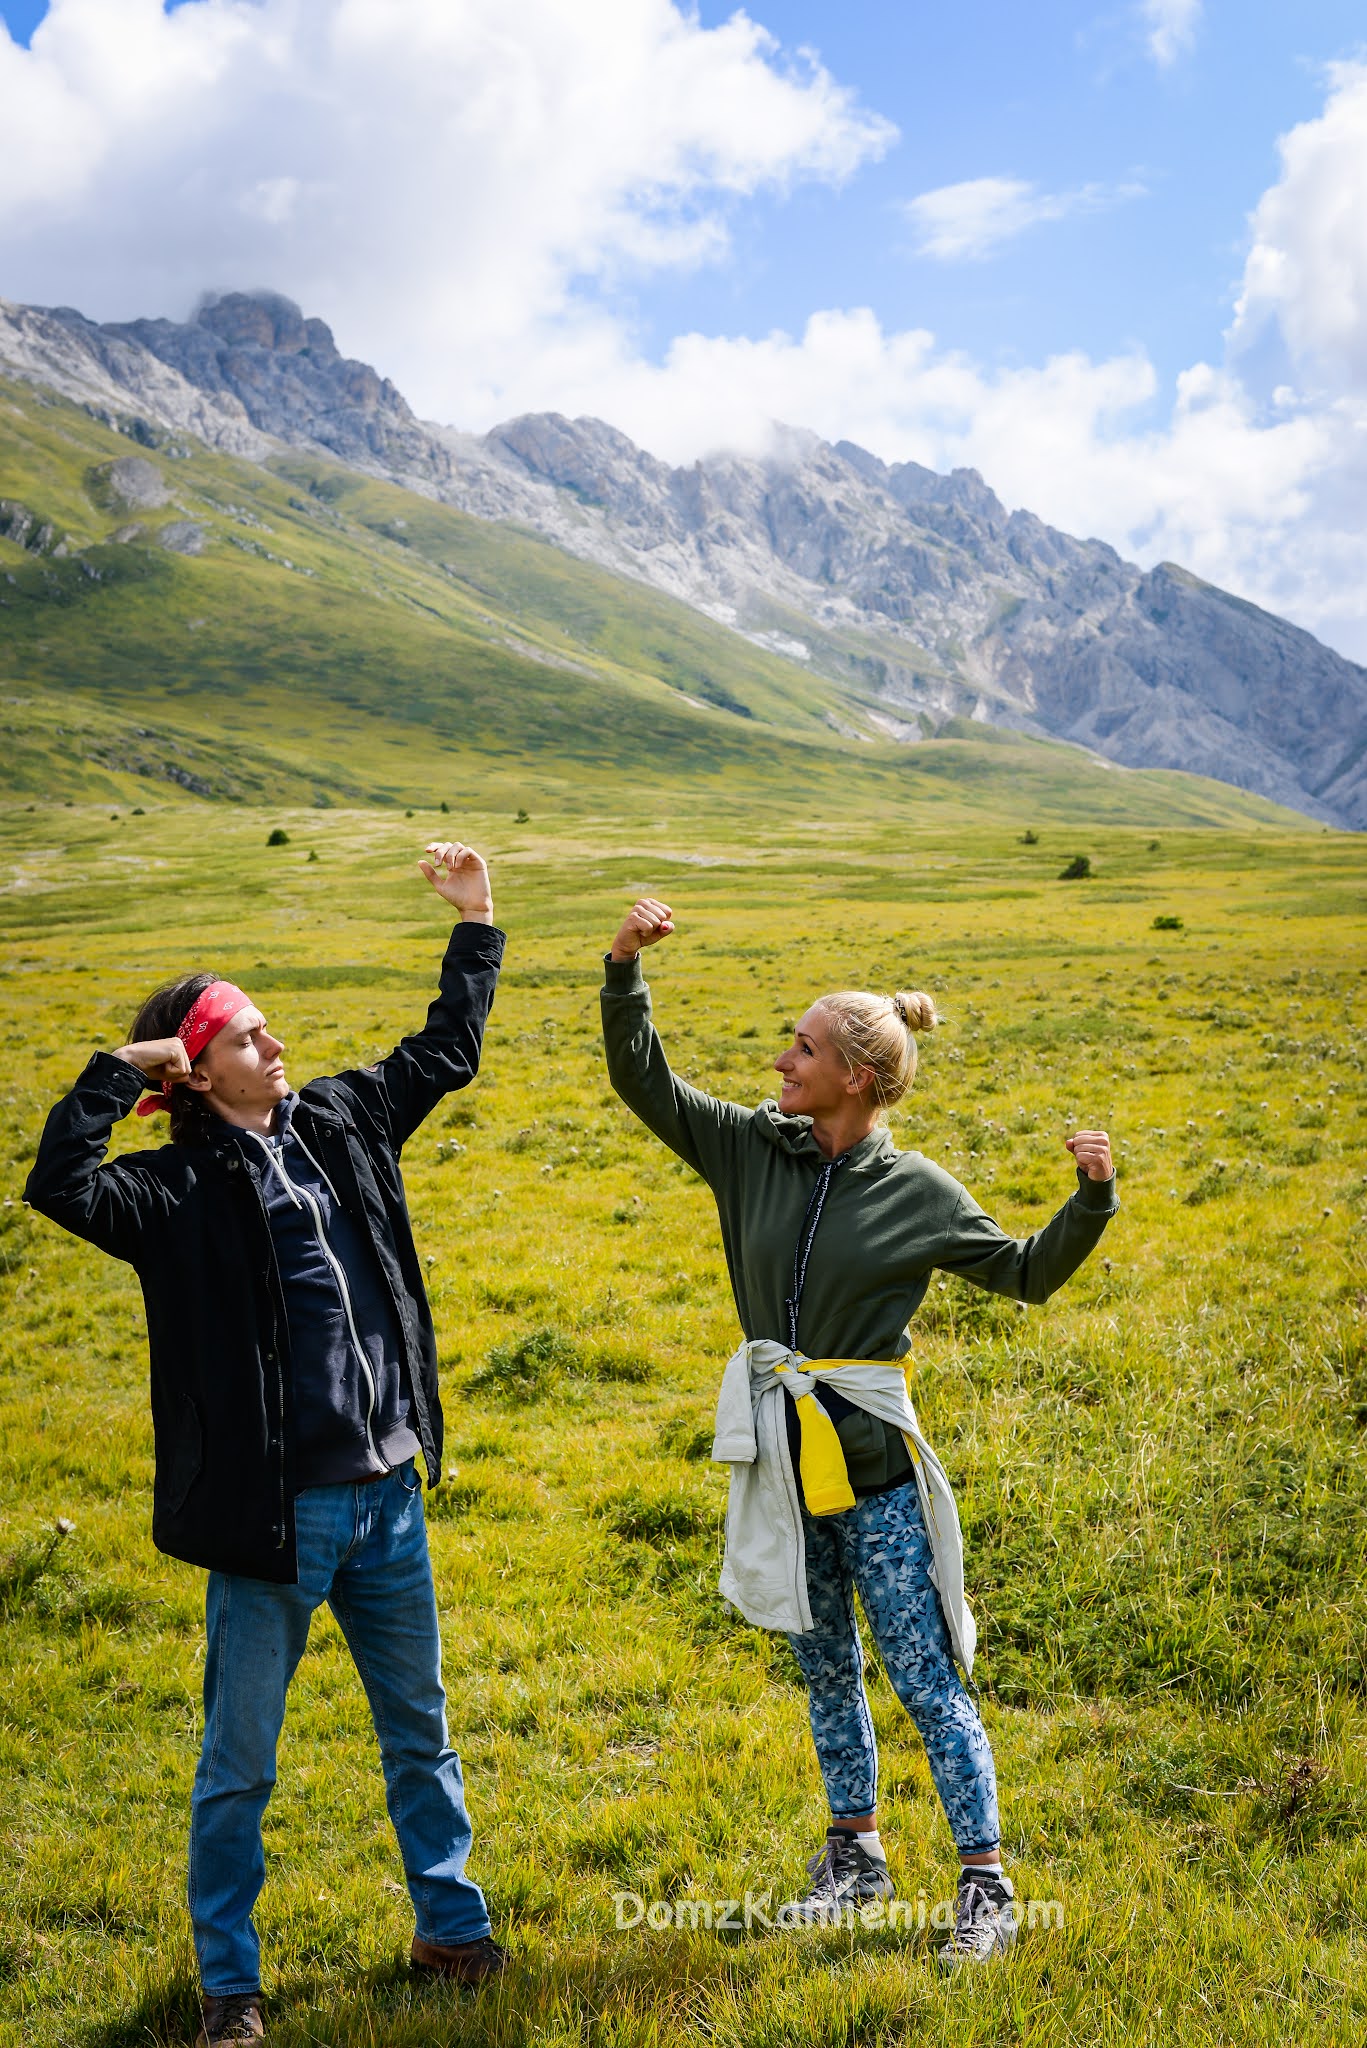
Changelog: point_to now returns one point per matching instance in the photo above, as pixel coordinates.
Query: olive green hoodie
(890, 1219)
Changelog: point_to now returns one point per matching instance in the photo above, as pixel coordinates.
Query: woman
(831, 1235)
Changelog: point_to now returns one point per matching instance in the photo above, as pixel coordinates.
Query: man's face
(239, 1073)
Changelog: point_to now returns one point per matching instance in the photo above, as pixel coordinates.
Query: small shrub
(1218, 1179)
(137, 811)
(955, 1307)
(1078, 869)
(1304, 1153)
(278, 837)
(312, 856)
(522, 817)
(1029, 838)
(521, 1367)
(513, 1299)
(21, 1571)
(481, 1446)
(453, 1498)
(653, 1519)
(1167, 924)
(683, 1438)
(627, 1368)
(444, 805)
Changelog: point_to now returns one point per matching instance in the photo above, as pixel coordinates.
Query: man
(293, 1381)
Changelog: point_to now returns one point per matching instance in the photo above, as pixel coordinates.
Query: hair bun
(916, 1010)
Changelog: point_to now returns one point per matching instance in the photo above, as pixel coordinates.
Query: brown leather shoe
(234, 2018)
(469, 1962)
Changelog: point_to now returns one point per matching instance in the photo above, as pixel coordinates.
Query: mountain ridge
(180, 623)
(915, 591)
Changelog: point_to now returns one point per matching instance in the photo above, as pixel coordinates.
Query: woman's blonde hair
(879, 1032)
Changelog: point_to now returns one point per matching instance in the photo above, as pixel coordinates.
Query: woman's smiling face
(816, 1079)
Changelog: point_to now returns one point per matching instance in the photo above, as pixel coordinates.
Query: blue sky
(1112, 256)
(1061, 96)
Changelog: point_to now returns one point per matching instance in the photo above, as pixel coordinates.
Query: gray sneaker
(843, 1876)
(984, 1920)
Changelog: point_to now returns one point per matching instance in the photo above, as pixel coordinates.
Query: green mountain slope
(302, 632)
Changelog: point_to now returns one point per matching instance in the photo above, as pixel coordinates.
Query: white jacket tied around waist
(764, 1572)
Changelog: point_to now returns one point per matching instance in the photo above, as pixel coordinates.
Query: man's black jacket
(190, 1219)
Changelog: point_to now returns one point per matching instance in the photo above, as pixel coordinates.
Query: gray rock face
(258, 352)
(919, 592)
(182, 537)
(119, 381)
(136, 483)
(1173, 673)
(25, 529)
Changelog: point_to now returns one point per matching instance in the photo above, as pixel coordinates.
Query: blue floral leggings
(880, 1549)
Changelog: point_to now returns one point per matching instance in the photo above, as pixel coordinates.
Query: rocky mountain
(918, 592)
(930, 599)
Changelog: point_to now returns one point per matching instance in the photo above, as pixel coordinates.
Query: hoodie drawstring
(816, 1202)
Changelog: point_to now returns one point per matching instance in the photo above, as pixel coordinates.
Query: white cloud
(1171, 26)
(440, 176)
(1265, 505)
(974, 217)
(1306, 274)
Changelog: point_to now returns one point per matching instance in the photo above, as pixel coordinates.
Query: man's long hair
(161, 1016)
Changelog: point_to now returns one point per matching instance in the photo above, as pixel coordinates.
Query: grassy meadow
(1160, 1474)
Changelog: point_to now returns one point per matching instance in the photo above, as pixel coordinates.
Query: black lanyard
(816, 1202)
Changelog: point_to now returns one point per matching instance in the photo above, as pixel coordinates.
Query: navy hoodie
(352, 1404)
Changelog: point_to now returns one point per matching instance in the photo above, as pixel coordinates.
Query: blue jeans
(880, 1548)
(363, 1549)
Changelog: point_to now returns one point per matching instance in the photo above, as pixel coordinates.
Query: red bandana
(204, 1019)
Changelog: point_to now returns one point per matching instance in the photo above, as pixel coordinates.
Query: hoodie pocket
(186, 1455)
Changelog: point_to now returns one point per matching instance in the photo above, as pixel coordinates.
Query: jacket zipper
(302, 1199)
(281, 1530)
(413, 1380)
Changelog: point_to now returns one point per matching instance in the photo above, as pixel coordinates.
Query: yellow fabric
(821, 1460)
(826, 1364)
(825, 1481)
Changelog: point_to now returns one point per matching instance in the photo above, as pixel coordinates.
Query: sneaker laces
(833, 1861)
(980, 1908)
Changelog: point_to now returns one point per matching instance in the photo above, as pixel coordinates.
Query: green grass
(1161, 1473)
